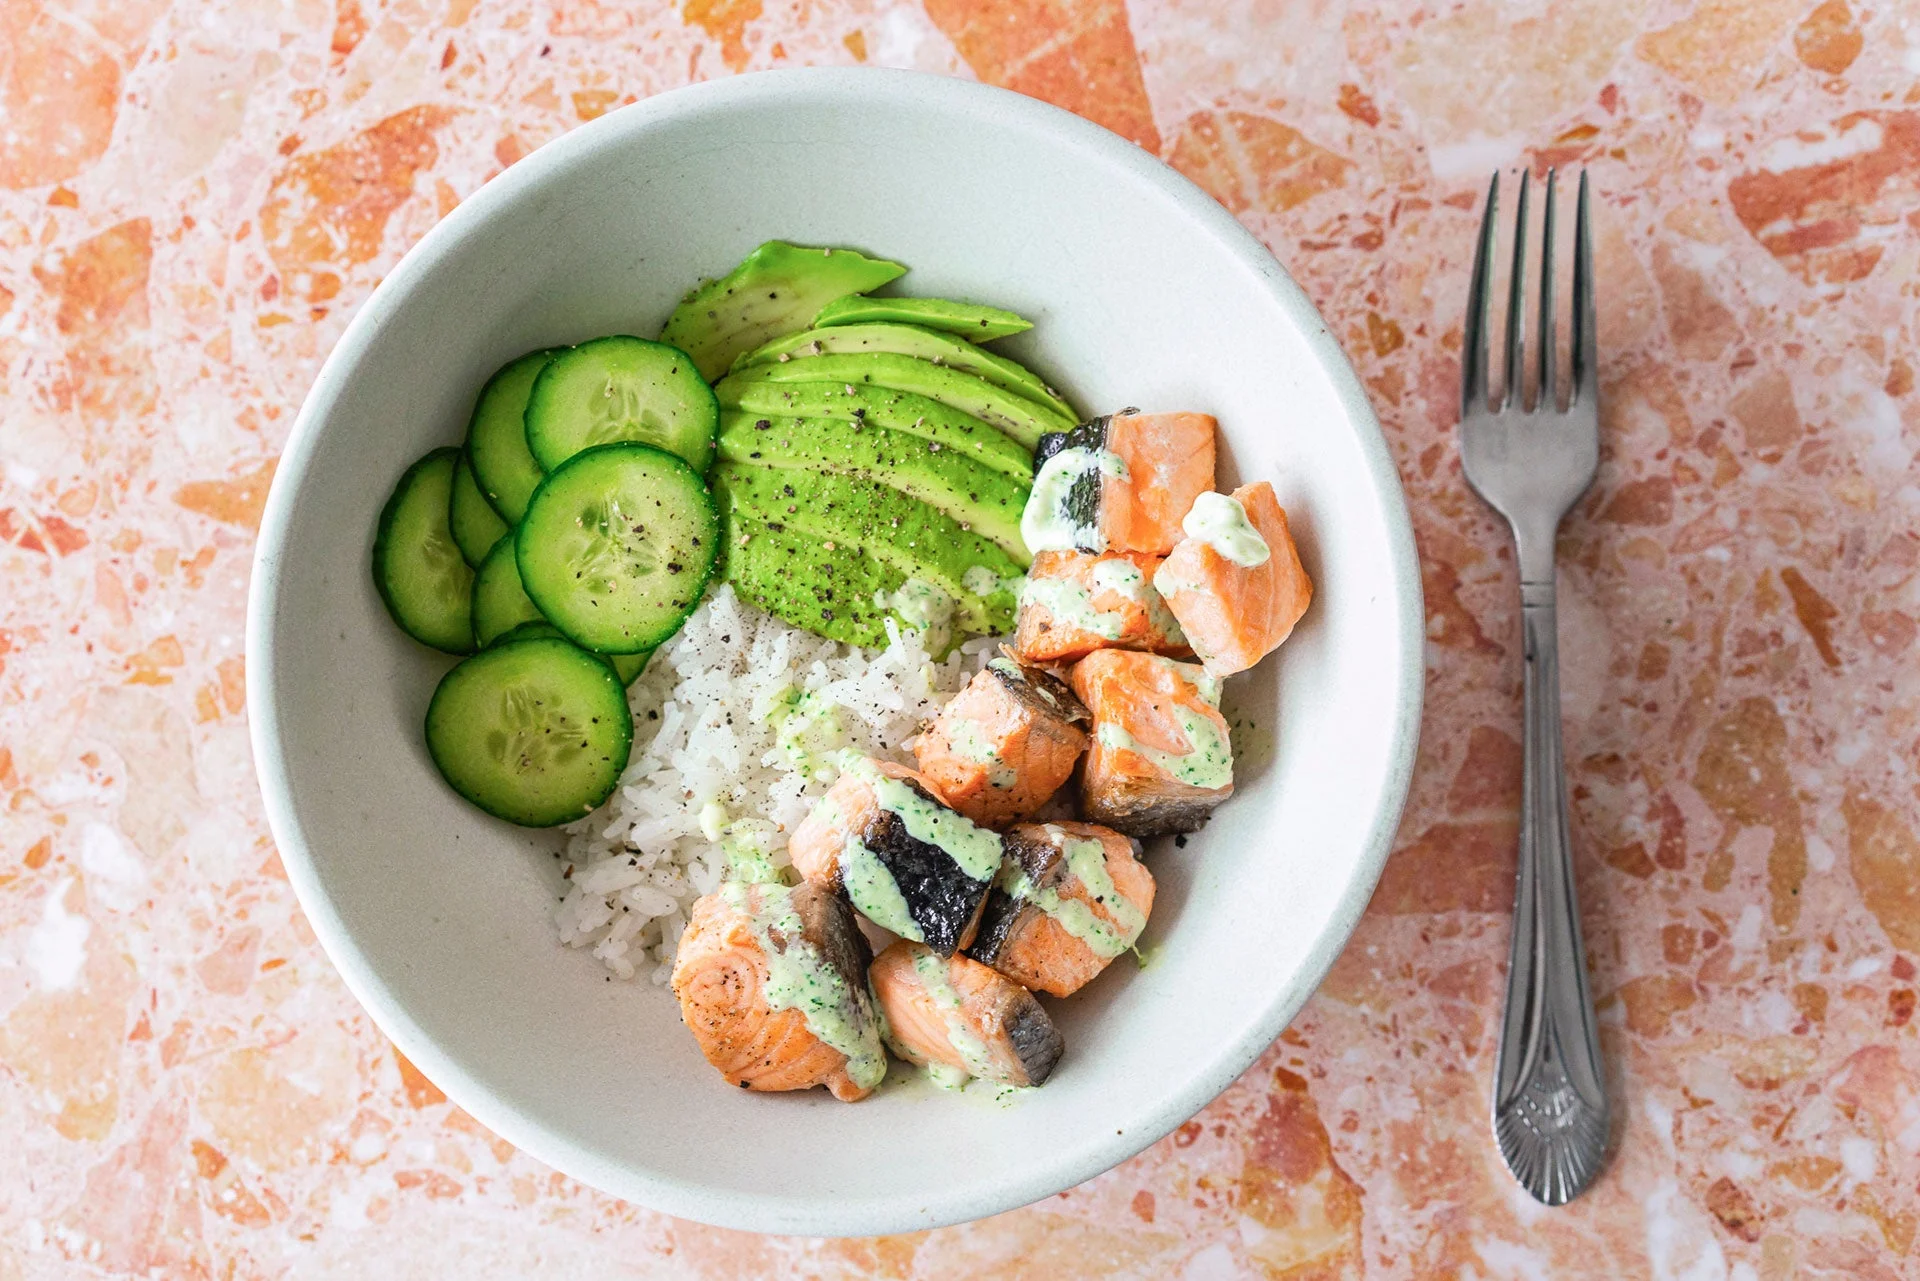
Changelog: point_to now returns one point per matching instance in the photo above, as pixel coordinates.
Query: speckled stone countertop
(193, 199)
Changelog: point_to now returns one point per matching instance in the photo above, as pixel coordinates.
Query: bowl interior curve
(1143, 292)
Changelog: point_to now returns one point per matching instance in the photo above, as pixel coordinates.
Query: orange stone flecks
(1823, 208)
(1251, 162)
(1077, 54)
(726, 21)
(331, 207)
(237, 501)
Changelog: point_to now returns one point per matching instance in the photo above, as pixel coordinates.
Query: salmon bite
(1235, 580)
(1119, 483)
(909, 863)
(1070, 898)
(772, 984)
(1005, 744)
(1160, 760)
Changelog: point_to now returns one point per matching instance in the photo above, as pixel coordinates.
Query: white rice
(709, 764)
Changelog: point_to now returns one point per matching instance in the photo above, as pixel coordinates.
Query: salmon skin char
(1082, 503)
(944, 902)
(1040, 691)
(1091, 434)
(828, 923)
(940, 897)
(1143, 695)
(1036, 1042)
(1166, 460)
(1020, 937)
(983, 1023)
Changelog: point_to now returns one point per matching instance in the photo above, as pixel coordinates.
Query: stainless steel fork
(1531, 465)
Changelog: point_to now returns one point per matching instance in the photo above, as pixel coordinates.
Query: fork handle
(1550, 1104)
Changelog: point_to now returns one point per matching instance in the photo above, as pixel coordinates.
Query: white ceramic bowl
(1144, 291)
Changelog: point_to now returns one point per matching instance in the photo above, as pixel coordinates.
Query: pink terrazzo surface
(193, 199)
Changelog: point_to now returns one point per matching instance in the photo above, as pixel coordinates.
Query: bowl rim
(818, 1216)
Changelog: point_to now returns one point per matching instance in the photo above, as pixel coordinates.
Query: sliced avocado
(882, 407)
(1024, 420)
(775, 290)
(980, 499)
(848, 512)
(792, 576)
(910, 340)
(970, 320)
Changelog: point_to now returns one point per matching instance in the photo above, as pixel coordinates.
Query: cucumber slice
(535, 731)
(500, 604)
(617, 389)
(910, 340)
(1024, 420)
(426, 585)
(886, 524)
(986, 501)
(775, 290)
(617, 546)
(626, 666)
(524, 631)
(785, 574)
(902, 411)
(970, 320)
(475, 526)
(497, 437)
(629, 666)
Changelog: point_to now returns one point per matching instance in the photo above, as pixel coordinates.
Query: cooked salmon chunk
(955, 1014)
(1075, 602)
(908, 862)
(1069, 898)
(1005, 744)
(842, 815)
(1235, 581)
(772, 984)
(1118, 483)
(1160, 759)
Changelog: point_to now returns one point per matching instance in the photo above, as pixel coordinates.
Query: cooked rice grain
(735, 722)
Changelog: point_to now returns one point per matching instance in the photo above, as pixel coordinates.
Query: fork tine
(1586, 347)
(1473, 339)
(1514, 377)
(1547, 398)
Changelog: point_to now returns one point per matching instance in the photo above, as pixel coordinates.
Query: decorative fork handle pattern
(1550, 1104)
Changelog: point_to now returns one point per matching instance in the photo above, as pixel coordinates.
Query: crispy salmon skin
(1235, 581)
(908, 862)
(1076, 602)
(1069, 899)
(1005, 744)
(1119, 483)
(772, 984)
(962, 1016)
(1160, 759)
